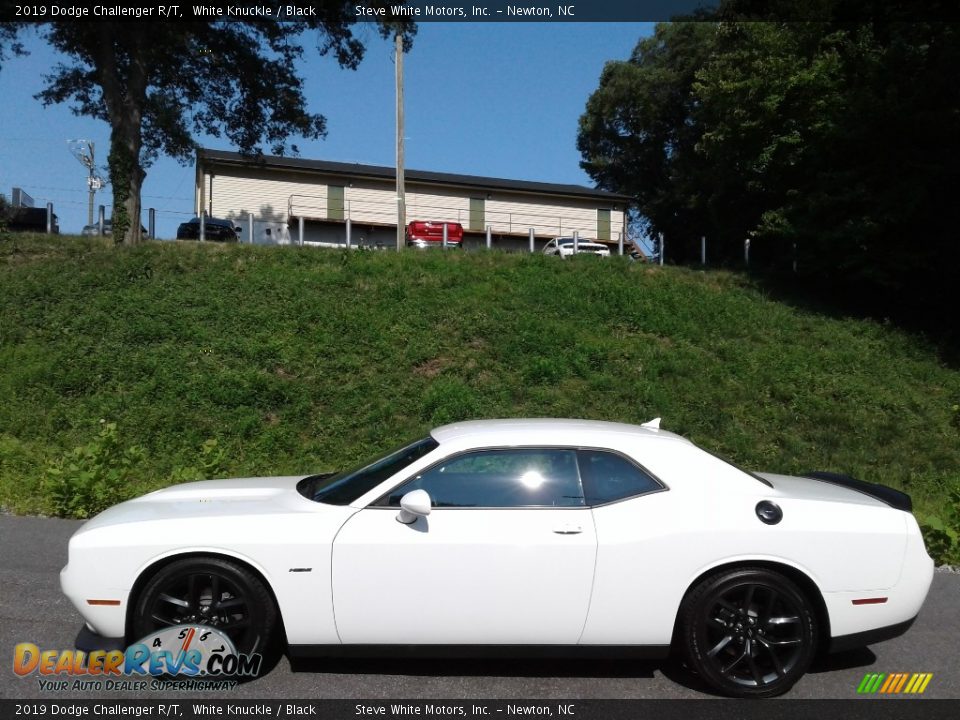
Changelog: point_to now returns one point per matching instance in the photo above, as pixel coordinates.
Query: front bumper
(90, 641)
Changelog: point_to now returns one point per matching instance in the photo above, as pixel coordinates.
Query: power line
(74, 190)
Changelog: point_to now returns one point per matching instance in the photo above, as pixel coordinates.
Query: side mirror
(414, 504)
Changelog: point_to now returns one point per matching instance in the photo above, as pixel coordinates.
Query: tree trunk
(125, 93)
(126, 178)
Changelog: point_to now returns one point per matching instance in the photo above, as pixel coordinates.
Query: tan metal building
(280, 191)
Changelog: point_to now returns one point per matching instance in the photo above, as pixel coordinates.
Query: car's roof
(546, 431)
(209, 220)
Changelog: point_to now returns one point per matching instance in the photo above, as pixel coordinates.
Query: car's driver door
(506, 556)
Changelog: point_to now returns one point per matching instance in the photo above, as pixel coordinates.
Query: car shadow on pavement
(847, 660)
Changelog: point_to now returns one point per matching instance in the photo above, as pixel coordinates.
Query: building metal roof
(379, 172)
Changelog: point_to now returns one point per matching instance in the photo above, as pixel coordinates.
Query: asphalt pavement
(32, 609)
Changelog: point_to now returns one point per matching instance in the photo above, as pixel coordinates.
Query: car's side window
(608, 477)
(502, 478)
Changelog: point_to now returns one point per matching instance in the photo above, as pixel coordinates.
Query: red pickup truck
(425, 234)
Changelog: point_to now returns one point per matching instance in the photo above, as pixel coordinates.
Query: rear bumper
(855, 623)
(869, 637)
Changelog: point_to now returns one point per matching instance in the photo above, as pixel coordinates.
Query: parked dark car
(214, 229)
(29, 219)
(94, 230)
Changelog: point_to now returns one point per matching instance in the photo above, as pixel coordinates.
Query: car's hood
(810, 488)
(211, 498)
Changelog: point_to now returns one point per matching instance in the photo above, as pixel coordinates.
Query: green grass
(298, 360)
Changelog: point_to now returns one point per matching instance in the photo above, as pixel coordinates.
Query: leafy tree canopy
(159, 84)
(831, 143)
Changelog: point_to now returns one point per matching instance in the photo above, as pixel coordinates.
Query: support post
(250, 227)
(349, 232)
(620, 245)
(445, 236)
(401, 198)
(300, 230)
(203, 226)
(489, 238)
(152, 223)
(532, 240)
(576, 242)
(49, 218)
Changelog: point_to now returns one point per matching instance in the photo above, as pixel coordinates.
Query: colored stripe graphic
(894, 683)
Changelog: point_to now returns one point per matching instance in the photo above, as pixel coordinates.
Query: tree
(159, 83)
(640, 131)
(832, 143)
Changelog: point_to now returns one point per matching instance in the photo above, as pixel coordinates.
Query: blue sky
(496, 99)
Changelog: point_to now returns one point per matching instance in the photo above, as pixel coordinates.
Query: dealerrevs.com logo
(176, 657)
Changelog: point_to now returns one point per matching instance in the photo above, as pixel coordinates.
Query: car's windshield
(345, 487)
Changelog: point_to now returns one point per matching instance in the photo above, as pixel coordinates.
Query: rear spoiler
(893, 498)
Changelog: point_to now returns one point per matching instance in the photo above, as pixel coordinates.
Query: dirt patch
(431, 368)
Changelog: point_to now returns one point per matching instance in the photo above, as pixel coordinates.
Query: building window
(335, 202)
(477, 214)
(603, 225)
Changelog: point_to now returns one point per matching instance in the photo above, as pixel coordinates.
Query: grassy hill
(296, 360)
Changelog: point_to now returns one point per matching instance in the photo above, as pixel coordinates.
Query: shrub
(210, 465)
(92, 477)
(941, 532)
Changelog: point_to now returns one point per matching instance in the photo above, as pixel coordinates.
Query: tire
(245, 610)
(748, 632)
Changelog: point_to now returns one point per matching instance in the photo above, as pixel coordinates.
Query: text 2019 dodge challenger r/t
(559, 536)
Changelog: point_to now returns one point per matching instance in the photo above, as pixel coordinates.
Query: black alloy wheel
(748, 632)
(208, 591)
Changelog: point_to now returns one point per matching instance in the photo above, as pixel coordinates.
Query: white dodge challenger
(558, 537)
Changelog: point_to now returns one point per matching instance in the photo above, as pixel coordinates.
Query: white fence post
(532, 234)
(703, 249)
(49, 218)
(300, 228)
(620, 245)
(349, 232)
(576, 241)
(152, 223)
(489, 239)
(663, 247)
(101, 213)
(250, 227)
(203, 225)
(445, 231)
(746, 252)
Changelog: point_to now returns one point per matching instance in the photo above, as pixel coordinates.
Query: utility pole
(83, 151)
(401, 199)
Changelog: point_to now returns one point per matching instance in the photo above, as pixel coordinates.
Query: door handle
(569, 529)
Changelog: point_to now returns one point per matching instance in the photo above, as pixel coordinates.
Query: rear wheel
(748, 632)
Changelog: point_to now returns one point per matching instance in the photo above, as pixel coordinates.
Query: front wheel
(748, 632)
(212, 592)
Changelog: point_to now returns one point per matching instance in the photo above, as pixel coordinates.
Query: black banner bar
(468, 11)
(195, 709)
